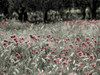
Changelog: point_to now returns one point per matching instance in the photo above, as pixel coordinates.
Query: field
(63, 48)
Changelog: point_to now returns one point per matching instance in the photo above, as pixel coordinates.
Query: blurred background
(49, 10)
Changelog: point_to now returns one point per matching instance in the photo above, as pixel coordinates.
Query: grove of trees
(23, 7)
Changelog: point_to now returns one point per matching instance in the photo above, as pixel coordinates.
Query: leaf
(84, 68)
(74, 68)
(2, 54)
(95, 73)
(85, 59)
(92, 71)
(74, 62)
(17, 61)
(67, 68)
(35, 66)
(39, 70)
(98, 60)
(14, 73)
(43, 60)
(42, 27)
(33, 63)
(17, 70)
(72, 54)
(56, 69)
(50, 72)
(54, 66)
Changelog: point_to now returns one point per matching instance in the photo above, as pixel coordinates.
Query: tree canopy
(21, 7)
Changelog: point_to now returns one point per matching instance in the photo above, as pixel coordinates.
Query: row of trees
(21, 7)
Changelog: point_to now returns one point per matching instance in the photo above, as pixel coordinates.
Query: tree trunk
(20, 16)
(69, 13)
(61, 12)
(93, 13)
(83, 13)
(6, 13)
(93, 9)
(25, 16)
(45, 16)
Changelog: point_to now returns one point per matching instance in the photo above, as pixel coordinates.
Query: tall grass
(64, 48)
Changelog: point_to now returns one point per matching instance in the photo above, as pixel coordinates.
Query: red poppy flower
(80, 54)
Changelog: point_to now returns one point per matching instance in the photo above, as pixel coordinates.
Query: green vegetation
(63, 48)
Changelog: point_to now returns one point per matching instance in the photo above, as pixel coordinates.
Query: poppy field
(63, 48)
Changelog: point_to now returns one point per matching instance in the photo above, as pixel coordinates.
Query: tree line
(22, 7)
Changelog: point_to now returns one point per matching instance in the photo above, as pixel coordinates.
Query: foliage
(22, 7)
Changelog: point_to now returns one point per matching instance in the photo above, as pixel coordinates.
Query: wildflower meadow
(62, 48)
